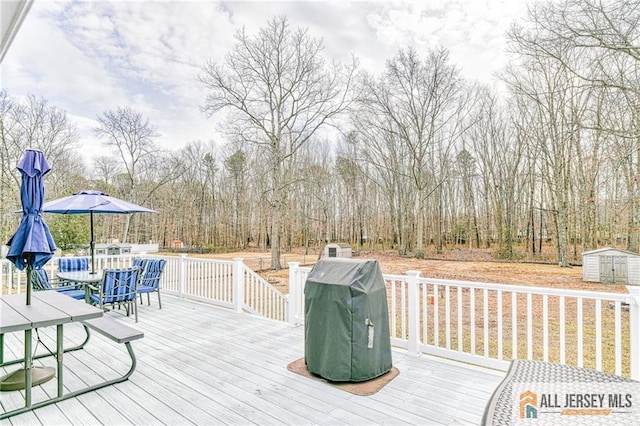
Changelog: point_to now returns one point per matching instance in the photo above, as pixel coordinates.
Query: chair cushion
(146, 289)
(67, 264)
(151, 273)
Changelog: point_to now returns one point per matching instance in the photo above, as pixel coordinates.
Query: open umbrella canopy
(32, 244)
(87, 201)
(90, 201)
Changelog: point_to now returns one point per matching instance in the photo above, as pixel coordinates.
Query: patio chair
(40, 281)
(71, 264)
(68, 264)
(118, 287)
(150, 279)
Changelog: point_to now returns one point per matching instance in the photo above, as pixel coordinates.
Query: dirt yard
(458, 265)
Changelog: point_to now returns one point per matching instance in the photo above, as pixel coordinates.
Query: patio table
(47, 308)
(83, 277)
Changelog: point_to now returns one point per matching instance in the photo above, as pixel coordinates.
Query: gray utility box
(346, 320)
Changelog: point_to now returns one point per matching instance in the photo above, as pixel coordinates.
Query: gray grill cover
(346, 320)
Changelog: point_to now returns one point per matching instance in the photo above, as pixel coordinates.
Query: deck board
(199, 364)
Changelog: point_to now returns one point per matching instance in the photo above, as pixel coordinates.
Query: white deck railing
(491, 324)
(479, 323)
(227, 283)
(12, 279)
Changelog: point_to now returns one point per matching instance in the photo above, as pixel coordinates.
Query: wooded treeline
(414, 158)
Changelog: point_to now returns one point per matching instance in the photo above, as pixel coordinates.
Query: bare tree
(10, 132)
(604, 36)
(106, 168)
(34, 123)
(354, 176)
(131, 135)
(420, 101)
(236, 165)
(48, 129)
(380, 147)
(279, 92)
(497, 153)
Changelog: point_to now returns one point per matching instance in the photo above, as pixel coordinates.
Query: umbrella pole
(92, 244)
(29, 283)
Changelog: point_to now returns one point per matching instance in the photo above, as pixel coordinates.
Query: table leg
(27, 368)
(59, 356)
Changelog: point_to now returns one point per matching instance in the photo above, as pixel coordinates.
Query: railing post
(182, 274)
(238, 284)
(294, 292)
(413, 344)
(634, 330)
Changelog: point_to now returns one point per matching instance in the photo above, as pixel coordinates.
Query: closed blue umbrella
(32, 244)
(90, 201)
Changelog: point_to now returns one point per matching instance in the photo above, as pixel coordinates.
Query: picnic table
(47, 309)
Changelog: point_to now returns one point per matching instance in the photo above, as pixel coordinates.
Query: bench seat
(115, 330)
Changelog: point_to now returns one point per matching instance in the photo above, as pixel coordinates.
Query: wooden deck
(199, 364)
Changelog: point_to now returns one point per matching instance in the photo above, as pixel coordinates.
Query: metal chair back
(119, 286)
(69, 264)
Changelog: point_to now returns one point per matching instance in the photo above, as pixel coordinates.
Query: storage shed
(337, 250)
(610, 265)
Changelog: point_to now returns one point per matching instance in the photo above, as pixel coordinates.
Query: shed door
(333, 252)
(606, 269)
(620, 270)
(613, 269)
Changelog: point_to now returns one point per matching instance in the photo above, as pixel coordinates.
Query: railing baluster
(529, 328)
(413, 316)
(460, 309)
(514, 325)
(403, 301)
(580, 332)
(598, 305)
(499, 314)
(472, 319)
(394, 309)
(618, 338)
(436, 316)
(563, 336)
(424, 318)
(447, 316)
(485, 313)
(545, 327)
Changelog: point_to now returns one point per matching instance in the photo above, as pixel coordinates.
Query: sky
(88, 57)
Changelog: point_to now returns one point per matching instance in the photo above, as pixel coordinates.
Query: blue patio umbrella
(32, 244)
(92, 201)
